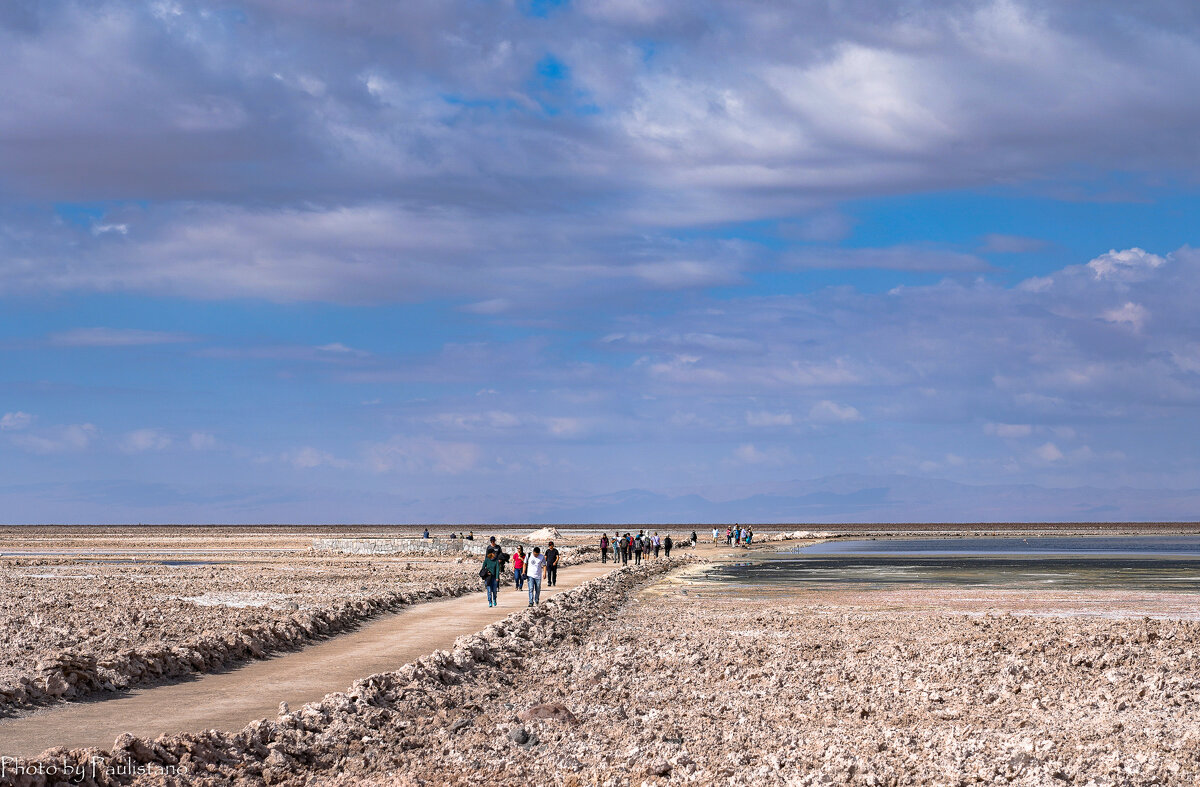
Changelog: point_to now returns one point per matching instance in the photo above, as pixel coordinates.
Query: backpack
(484, 574)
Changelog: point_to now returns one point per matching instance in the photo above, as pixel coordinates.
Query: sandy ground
(230, 700)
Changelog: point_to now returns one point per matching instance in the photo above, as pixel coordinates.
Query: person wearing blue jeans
(519, 561)
(491, 564)
(534, 568)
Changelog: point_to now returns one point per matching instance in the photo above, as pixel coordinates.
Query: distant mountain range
(841, 498)
(888, 498)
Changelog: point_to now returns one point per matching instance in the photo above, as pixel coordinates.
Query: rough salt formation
(543, 535)
(391, 712)
(73, 629)
(609, 685)
(794, 535)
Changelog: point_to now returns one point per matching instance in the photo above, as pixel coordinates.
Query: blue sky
(268, 261)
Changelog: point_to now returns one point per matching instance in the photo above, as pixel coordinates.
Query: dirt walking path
(230, 700)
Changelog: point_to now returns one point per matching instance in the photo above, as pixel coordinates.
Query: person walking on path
(551, 565)
(519, 567)
(667, 546)
(491, 576)
(616, 547)
(604, 548)
(637, 550)
(625, 550)
(535, 567)
(657, 545)
(695, 540)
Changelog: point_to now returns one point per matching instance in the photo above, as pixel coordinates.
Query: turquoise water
(1156, 563)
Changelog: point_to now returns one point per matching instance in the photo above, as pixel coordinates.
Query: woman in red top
(519, 567)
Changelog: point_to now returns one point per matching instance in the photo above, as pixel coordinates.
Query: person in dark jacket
(604, 548)
(492, 581)
(551, 565)
(667, 544)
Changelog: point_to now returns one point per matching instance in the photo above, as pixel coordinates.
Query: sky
(567, 260)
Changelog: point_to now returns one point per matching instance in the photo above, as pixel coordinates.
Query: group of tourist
(638, 547)
(735, 535)
(529, 570)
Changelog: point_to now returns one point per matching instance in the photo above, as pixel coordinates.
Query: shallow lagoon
(1155, 563)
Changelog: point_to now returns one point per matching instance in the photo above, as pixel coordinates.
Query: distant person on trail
(551, 565)
(695, 540)
(637, 550)
(657, 545)
(490, 573)
(716, 535)
(729, 536)
(667, 546)
(426, 533)
(625, 542)
(534, 569)
(615, 545)
(604, 548)
(471, 535)
(749, 536)
(519, 566)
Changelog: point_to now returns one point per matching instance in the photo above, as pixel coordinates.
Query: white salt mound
(545, 534)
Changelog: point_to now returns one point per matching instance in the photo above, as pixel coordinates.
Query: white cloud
(490, 306)
(1036, 284)
(1132, 314)
(307, 457)
(114, 337)
(749, 454)
(1048, 452)
(901, 258)
(764, 418)
(418, 454)
(1008, 430)
(17, 420)
(1125, 266)
(997, 243)
(828, 412)
(64, 439)
(565, 426)
(202, 441)
(337, 348)
(141, 440)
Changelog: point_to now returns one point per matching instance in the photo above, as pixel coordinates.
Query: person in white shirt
(534, 568)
